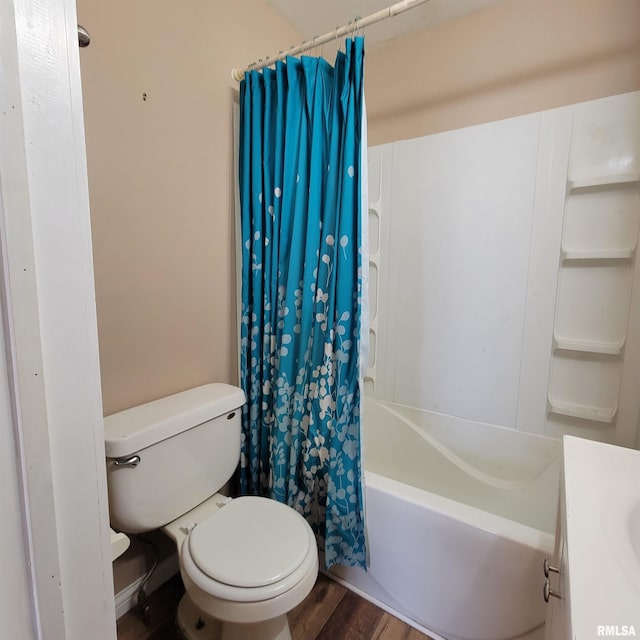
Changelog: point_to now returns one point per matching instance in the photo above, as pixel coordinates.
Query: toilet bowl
(246, 562)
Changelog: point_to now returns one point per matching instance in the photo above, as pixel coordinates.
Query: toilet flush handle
(131, 461)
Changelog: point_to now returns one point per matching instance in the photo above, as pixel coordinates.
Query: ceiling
(316, 17)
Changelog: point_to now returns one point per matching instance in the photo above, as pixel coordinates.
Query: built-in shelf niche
(373, 291)
(374, 231)
(372, 350)
(373, 238)
(603, 182)
(593, 302)
(585, 385)
(597, 254)
(601, 224)
(583, 412)
(597, 263)
(584, 346)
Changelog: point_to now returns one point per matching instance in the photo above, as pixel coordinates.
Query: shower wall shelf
(603, 182)
(584, 412)
(584, 346)
(596, 273)
(374, 236)
(597, 254)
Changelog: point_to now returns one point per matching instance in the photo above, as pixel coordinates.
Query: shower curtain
(303, 292)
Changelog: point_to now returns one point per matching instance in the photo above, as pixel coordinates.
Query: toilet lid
(250, 542)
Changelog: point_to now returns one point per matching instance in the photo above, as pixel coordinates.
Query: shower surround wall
(505, 287)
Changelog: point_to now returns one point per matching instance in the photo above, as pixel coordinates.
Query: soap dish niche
(585, 384)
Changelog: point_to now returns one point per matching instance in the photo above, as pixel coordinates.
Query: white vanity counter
(602, 537)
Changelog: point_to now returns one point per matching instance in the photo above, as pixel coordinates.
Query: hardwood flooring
(330, 612)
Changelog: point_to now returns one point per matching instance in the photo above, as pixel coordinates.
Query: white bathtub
(459, 517)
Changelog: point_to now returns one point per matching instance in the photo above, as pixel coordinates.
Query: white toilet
(245, 562)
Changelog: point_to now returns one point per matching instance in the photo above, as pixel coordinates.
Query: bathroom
(168, 71)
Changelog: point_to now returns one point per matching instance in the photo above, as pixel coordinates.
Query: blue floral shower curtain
(302, 293)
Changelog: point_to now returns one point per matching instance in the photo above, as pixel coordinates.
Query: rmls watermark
(616, 630)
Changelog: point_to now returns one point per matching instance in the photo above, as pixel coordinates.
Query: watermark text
(616, 630)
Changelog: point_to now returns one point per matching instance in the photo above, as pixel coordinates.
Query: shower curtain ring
(355, 26)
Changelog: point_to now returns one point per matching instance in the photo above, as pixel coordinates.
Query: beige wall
(161, 184)
(515, 57)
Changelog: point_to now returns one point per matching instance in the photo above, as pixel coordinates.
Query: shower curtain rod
(359, 23)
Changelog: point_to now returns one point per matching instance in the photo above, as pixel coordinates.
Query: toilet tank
(167, 456)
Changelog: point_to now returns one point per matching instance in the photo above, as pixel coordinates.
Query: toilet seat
(252, 549)
(251, 542)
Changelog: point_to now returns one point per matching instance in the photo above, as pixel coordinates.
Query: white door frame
(52, 380)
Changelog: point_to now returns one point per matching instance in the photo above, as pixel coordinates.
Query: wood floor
(330, 612)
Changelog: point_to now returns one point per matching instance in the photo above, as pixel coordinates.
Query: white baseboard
(126, 599)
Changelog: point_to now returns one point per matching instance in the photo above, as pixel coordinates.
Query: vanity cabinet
(593, 580)
(554, 582)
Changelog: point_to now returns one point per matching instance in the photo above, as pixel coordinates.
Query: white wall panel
(460, 237)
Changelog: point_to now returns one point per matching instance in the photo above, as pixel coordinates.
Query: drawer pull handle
(549, 592)
(548, 568)
(131, 461)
